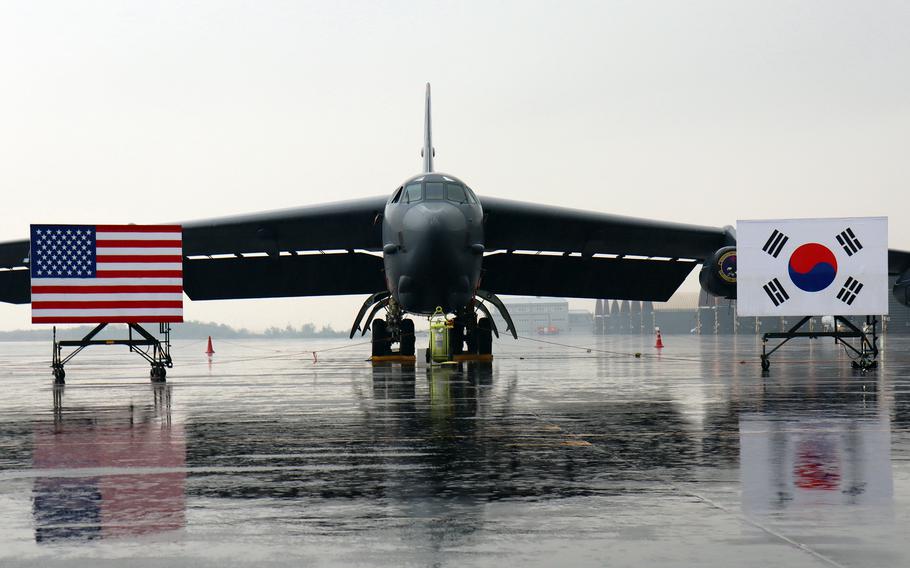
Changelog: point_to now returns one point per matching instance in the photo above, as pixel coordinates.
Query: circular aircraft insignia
(727, 266)
(812, 267)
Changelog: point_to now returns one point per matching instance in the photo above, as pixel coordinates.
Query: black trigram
(776, 292)
(775, 243)
(849, 241)
(848, 293)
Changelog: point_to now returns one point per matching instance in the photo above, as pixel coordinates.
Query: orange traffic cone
(209, 350)
(659, 344)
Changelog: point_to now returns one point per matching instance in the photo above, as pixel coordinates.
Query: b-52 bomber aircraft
(434, 243)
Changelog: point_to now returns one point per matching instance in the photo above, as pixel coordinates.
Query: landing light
(492, 252)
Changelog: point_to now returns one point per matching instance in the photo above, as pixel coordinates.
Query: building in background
(701, 313)
(538, 316)
(898, 319)
(581, 322)
(686, 312)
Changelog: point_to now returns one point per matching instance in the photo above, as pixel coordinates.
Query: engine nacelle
(902, 288)
(718, 274)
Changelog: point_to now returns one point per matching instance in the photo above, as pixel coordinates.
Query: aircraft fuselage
(432, 235)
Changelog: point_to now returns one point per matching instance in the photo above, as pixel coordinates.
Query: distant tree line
(186, 330)
(306, 330)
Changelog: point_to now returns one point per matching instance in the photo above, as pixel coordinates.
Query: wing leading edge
(553, 251)
(533, 250)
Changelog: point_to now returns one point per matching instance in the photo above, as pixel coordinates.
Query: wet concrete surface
(552, 455)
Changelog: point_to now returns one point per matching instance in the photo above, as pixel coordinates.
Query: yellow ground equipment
(440, 349)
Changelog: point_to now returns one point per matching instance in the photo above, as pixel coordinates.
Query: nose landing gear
(393, 329)
(463, 337)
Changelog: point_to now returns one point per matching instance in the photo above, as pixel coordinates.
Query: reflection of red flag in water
(115, 503)
(816, 466)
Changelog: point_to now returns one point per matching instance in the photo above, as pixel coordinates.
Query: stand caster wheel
(158, 373)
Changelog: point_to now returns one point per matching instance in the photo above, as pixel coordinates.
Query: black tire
(59, 376)
(765, 363)
(456, 339)
(470, 341)
(408, 341)
(380, 338)
(484, 336)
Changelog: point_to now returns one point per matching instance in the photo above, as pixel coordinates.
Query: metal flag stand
(867, 352)
(157, 352)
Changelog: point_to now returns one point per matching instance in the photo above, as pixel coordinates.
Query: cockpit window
(397, 196)
(455, 192)
(412, 193)
(434, 190)
(471, 198)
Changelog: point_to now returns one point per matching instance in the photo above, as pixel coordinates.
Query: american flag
(106, 273)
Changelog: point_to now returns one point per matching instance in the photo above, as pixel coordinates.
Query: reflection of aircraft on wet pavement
(440, 426)
(427, 449)
(434, 243)
(100, 473)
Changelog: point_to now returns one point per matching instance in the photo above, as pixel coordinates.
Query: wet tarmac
(552, 455)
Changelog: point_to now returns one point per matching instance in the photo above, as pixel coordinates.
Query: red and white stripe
(139, 278)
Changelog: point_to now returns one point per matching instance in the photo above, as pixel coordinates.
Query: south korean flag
(812, 267)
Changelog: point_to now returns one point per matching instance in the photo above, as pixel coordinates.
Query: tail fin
(428, 152)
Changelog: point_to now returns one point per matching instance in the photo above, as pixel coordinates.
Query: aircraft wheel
(765, 363)
(380, 338)
(484, 336)
(59, 376)
(408, 340)
(456, 339)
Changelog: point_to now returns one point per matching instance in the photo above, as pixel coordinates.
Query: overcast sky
(702, 112)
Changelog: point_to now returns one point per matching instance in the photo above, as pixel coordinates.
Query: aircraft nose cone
(436, 261)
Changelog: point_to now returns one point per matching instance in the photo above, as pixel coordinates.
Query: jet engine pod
(718, 274)
(902, 288)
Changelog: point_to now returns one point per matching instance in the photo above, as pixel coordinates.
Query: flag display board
(106, 273)
(812, 267)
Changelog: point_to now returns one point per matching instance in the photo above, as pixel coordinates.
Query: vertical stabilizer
(428, 152)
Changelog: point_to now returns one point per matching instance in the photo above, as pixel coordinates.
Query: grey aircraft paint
(433, 245)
